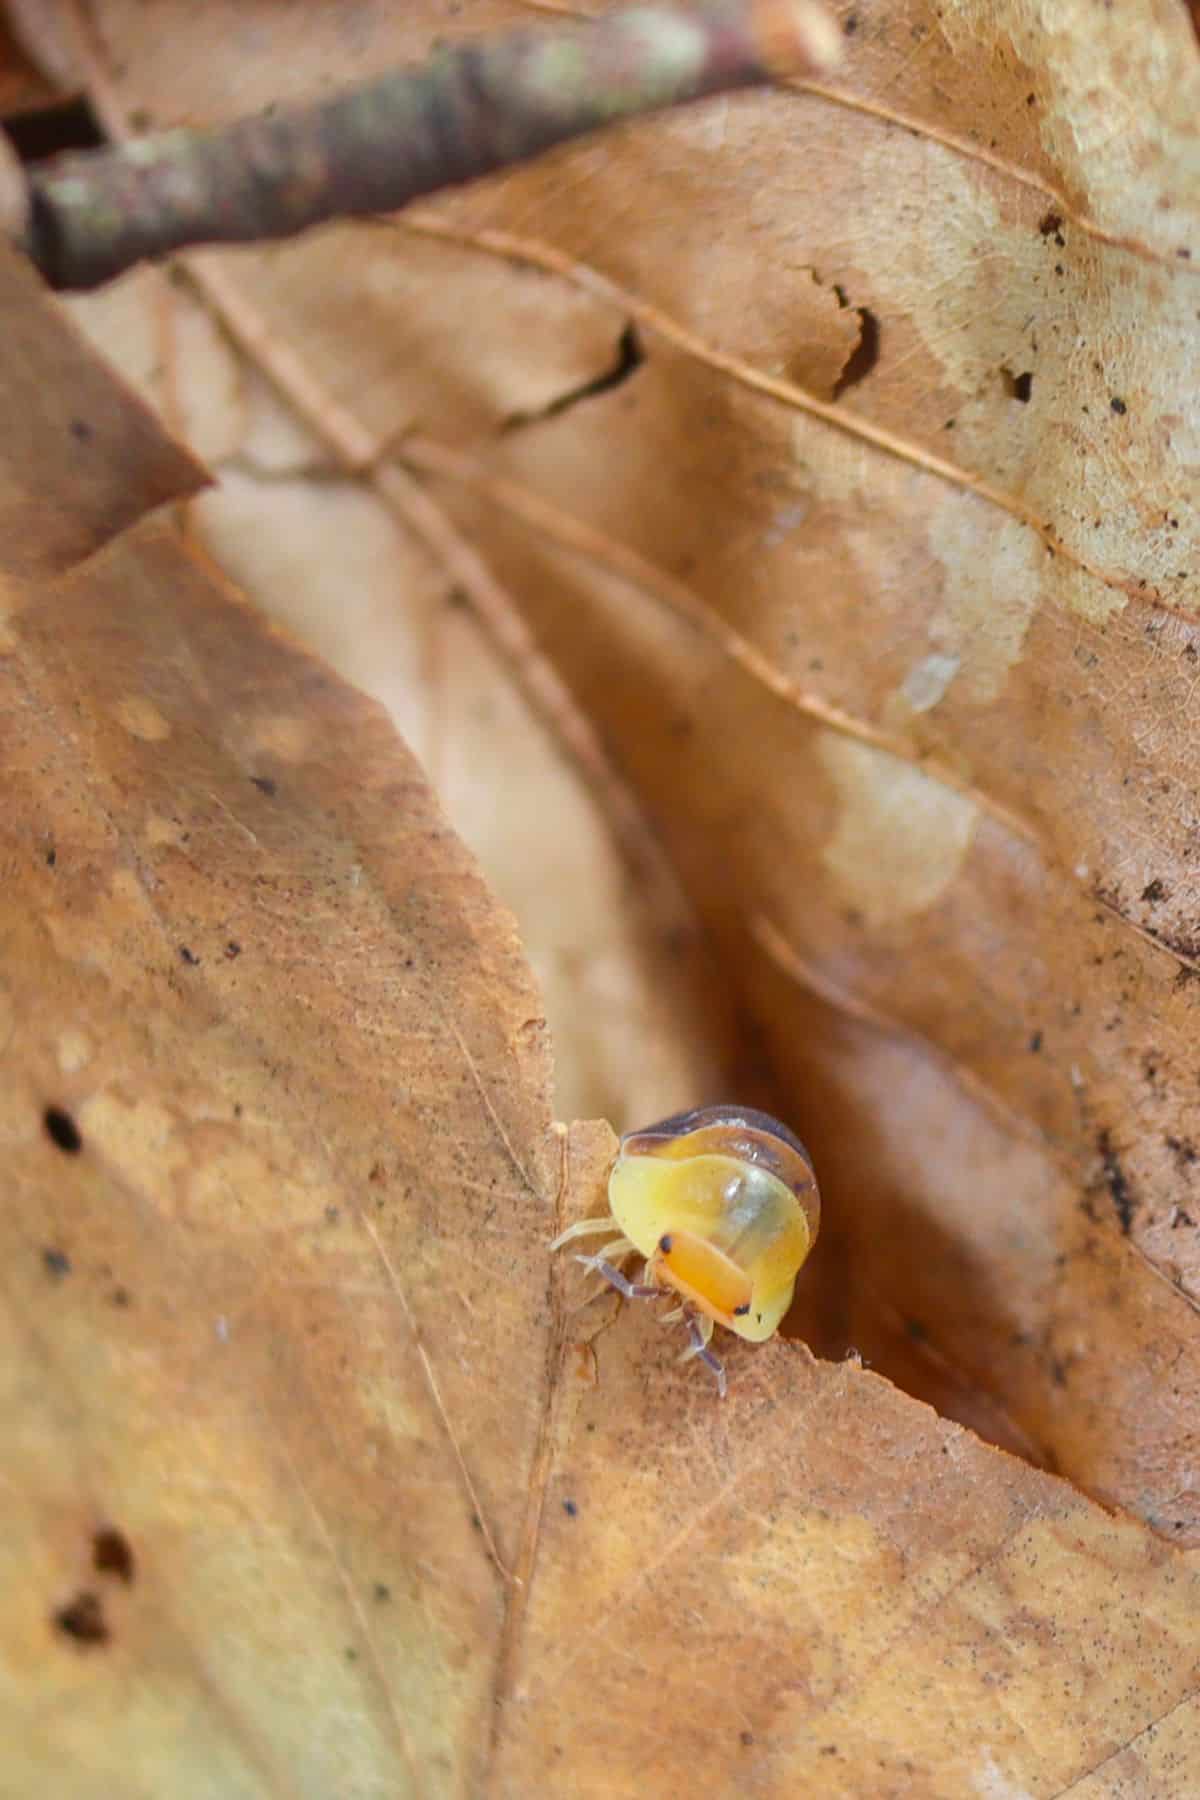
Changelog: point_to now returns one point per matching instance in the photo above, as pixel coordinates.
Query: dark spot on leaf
(62, 1130)
(1035, 1042)
(383, 1592)
(121, 1297)
(265, 785)
(189, 957)
(1118, 405)
(1051, 226)
(746, 1738)
(1117, 1182)
(916, 1331)
(665, 1244)
(232, 949)
(1183, 1150)
(56, 1263)
(83, 1619)
(1154, 891)
(51, 857)
(112, 1555)
(570, 1508)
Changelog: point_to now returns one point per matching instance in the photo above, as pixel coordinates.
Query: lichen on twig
(466, 111)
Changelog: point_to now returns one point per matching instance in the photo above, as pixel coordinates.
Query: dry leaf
(275, 1115)
(903, 677)
(316, 1482)
(23, 88)
(878, 572)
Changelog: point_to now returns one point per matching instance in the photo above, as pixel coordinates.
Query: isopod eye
(723, 1203)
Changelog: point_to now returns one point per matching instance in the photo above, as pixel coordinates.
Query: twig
(465, 112)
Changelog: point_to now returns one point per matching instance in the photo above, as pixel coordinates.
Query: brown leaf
(877, 570)
(275, 1107)
(977, 521)
(62, 407)
(23, 88)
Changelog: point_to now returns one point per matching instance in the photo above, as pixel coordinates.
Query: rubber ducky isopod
(722, 1204)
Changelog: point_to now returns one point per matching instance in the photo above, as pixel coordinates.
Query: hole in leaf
(112, 1554)
(62, 1130)
(865, 354)
(83, 1619)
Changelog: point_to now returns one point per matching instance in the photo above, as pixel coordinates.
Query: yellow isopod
(723, 1205)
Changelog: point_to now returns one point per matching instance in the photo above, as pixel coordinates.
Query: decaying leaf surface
(274, 1113)
(919, 741)
(23, 87)
(879, 572)
(823, 1589)
(316, 1485)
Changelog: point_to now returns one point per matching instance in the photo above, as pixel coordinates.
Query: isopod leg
(632, 1290)
(718, 1368)
(617, 1251)
(700, 1331)
(583, 1228)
